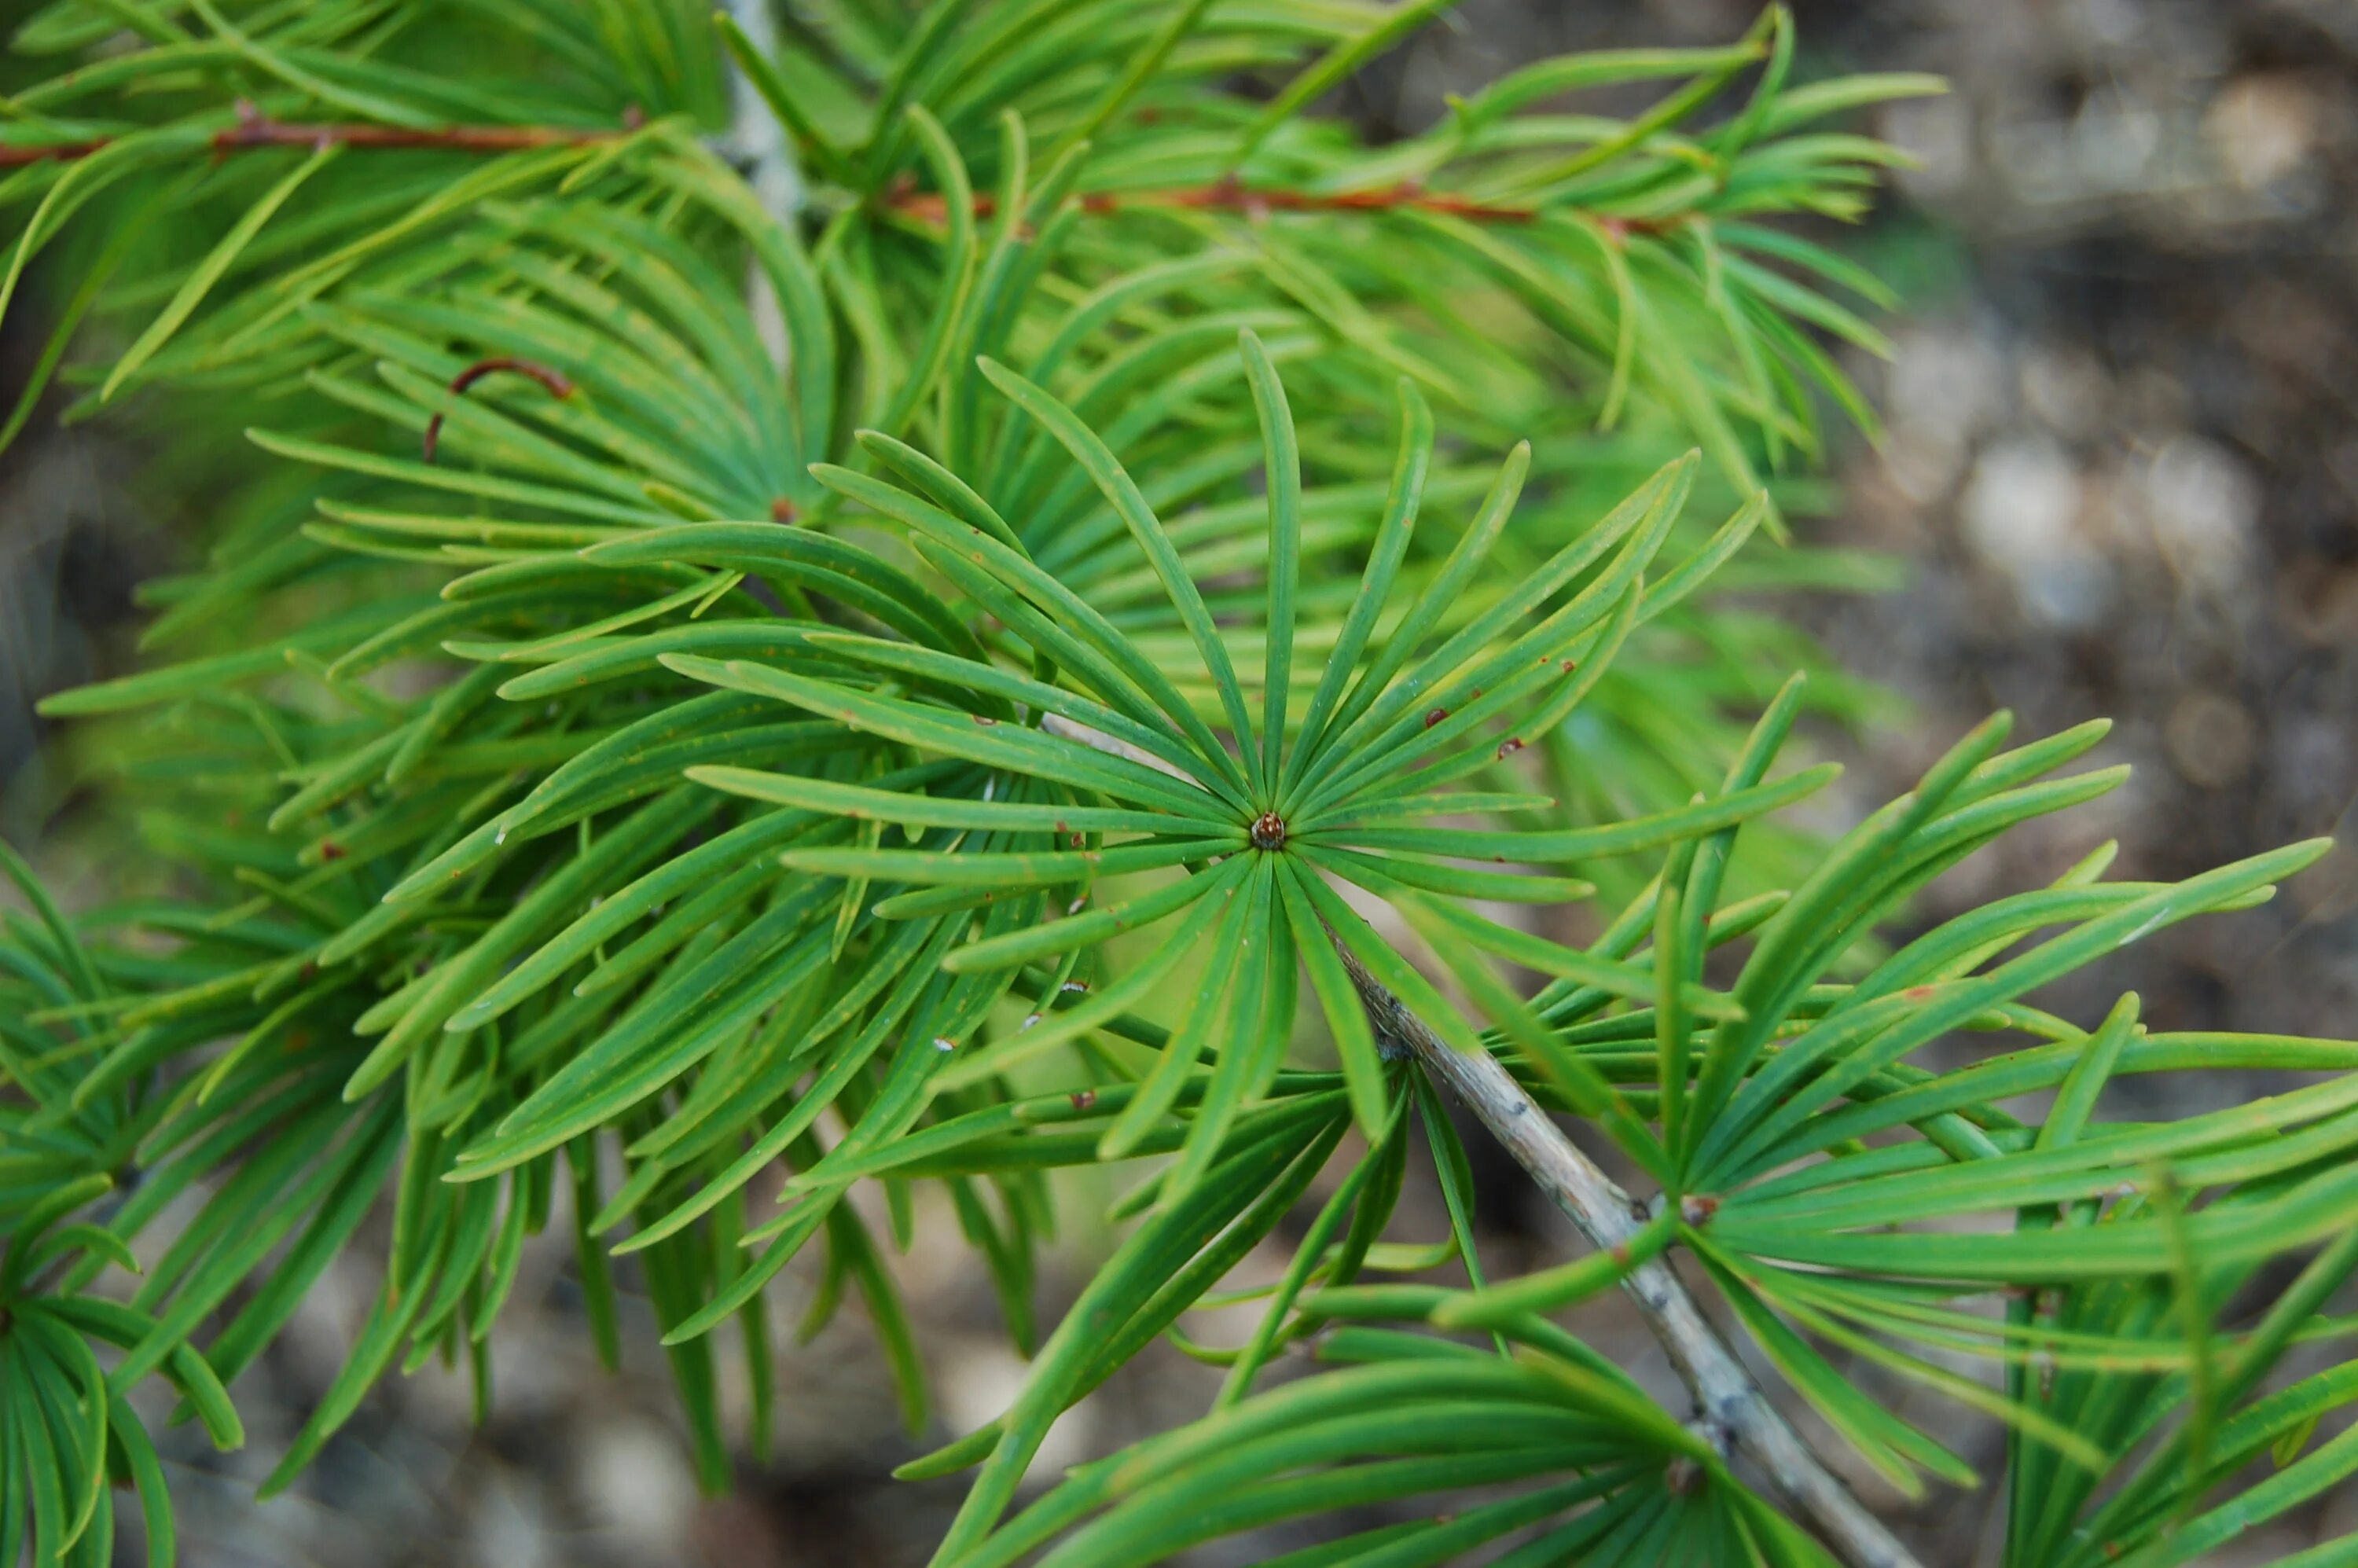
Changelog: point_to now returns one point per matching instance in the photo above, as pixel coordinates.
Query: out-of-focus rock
(2264, 128)
(2211, 738)
(2021, 515)
(634, 1480)
(2203, 505)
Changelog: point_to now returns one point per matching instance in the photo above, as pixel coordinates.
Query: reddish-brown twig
(555, 380)
(1234, 196)
(1259, 201)
(255, 132)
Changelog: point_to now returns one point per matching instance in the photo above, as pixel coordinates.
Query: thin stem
(1233, 196)
(756, 139)
(1725, 1392)
(758, 145)
(556, 382)
(255, 133)
(1725, 1395)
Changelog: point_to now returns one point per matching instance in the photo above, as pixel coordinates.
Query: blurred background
(2121, 468)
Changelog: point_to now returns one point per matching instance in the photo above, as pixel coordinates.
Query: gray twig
(1726, 1394)
(757, 145)
(757, 142)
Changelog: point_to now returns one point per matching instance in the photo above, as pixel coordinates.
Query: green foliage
(676, 693)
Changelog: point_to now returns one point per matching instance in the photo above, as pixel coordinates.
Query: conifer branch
(1232, 195)
(259, 133)
(1728, 1401)
(757, 143)
(623, 874)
